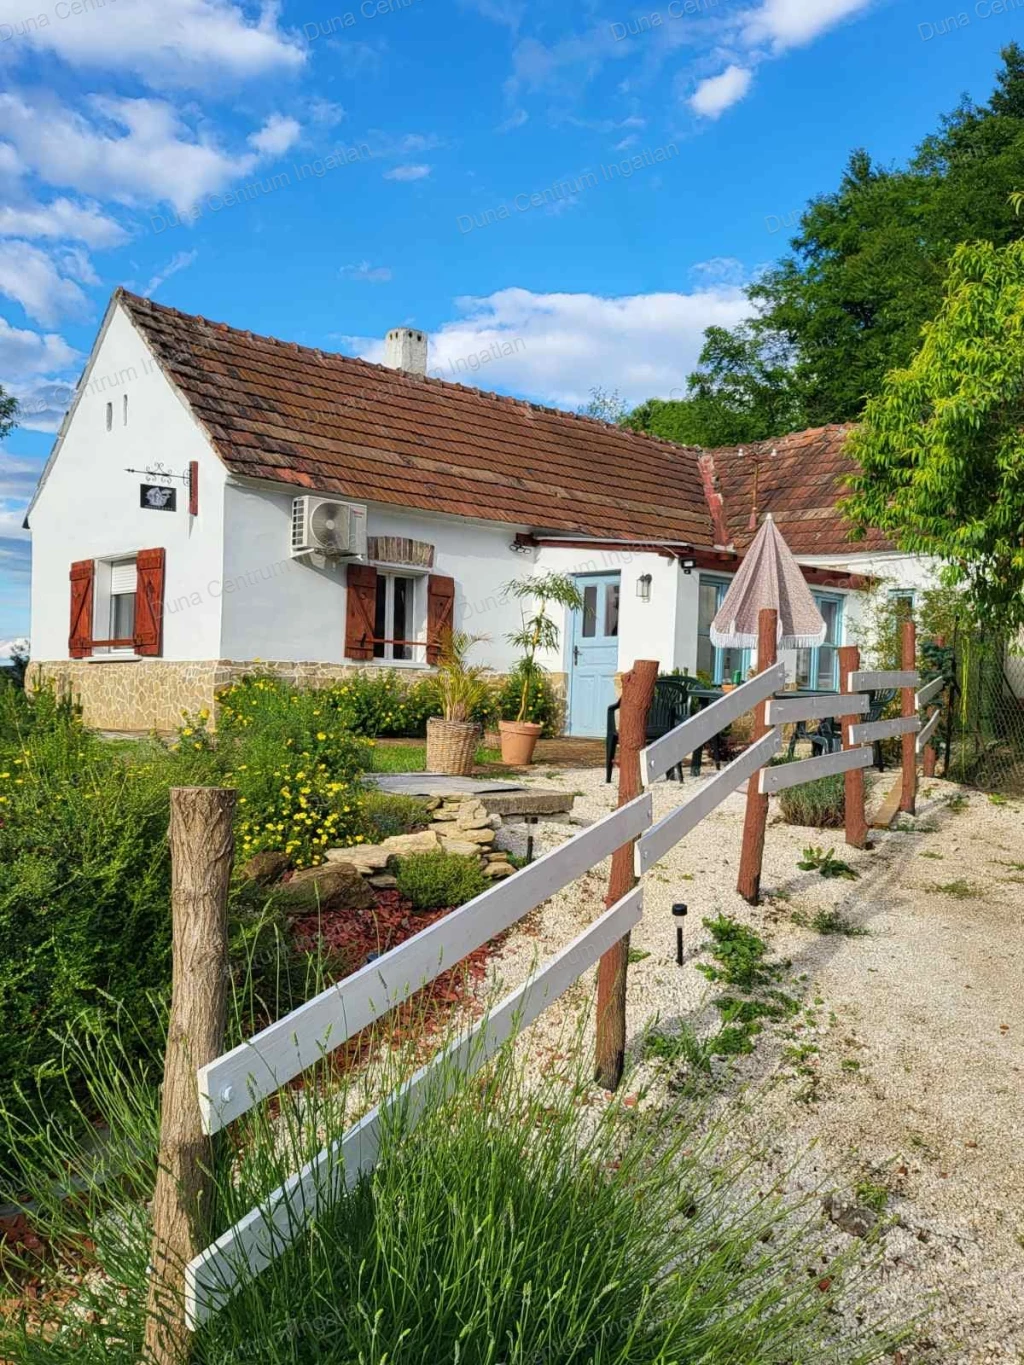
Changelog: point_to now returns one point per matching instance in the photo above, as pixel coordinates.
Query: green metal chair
(669, 708)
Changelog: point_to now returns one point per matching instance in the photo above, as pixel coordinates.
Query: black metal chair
(669, 708)
(828, 737)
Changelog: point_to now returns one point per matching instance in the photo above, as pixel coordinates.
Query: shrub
(820, 804)
(542, 705)
(434, 881)
(84, 917)
(296, 766)
(383, 814)
(511, 1224)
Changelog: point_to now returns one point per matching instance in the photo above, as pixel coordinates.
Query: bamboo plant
(538, 632)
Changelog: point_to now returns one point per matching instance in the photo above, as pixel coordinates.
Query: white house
(218, 501)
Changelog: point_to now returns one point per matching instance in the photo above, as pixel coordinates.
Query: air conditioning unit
(323, 526)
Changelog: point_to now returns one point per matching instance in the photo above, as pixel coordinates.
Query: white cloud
(514, 120)
(407, 173)
(276, 136)
(164, 42)
(31, 278)
(24, 353)
(376, 274)
(556, 347)
(42, 403)
(791, 23)
(62, 218)
(11, 517)
(325, 112)
(137, 150)
(181, 260)
(718, 93)
(17, 646)
(18, 476)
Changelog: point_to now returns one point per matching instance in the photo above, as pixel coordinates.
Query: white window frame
(103, 604)
(416, 627)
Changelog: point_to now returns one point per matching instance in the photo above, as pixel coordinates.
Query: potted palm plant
(463, 688)
(538, 634)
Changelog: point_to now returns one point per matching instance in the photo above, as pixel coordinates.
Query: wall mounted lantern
(688, 565)
(643, 587)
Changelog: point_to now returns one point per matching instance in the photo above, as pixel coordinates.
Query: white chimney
(406, 349)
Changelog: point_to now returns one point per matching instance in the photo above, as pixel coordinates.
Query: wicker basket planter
(451, 746)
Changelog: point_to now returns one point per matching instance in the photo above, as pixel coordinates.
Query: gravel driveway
(904, 1072)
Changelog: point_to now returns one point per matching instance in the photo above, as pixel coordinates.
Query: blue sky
(573, 192)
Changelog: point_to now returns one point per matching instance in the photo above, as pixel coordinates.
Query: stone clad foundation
(139, 695)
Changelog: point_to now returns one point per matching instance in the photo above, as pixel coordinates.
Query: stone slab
(527, 802)
(438, 784)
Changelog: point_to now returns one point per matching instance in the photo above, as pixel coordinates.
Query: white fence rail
(259, 1238)
(789, 710)
(864, 681)
(927, 730)
(234, 1082)
(929, 692)
(810, 769)
(875, 730)
(678, 823)
(664, 754)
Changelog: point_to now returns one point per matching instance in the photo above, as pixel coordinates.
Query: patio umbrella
(768, 577)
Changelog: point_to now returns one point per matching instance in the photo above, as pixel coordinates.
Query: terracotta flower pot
(451, 746)
(518, 741)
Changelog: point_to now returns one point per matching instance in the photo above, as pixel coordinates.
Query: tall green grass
(519, 1222)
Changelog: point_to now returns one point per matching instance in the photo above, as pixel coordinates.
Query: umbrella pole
(756, 818)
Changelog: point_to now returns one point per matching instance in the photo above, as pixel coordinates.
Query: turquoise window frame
(814, 654)
(721, 586)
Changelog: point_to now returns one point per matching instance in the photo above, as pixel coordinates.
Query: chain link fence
(984, 727)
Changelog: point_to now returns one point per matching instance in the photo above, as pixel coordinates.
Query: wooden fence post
(202, 849)
(856, 824)
(637, 695)
(929, 759)
(908, 795)
(756, 817)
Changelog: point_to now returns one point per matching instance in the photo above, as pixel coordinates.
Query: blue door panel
(594, 654)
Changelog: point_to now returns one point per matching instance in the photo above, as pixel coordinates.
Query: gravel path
(904, 1071)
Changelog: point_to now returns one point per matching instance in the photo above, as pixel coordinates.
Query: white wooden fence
(241, 1078)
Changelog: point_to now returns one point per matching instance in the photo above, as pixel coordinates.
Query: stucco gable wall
(89, 508)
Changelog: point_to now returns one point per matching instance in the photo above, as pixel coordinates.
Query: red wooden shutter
(83, 579)
(440, 612)
(149, 602)
(360, 611)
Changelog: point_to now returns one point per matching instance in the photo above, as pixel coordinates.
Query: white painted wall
(89, 507)
(647, 630)
(277, 608)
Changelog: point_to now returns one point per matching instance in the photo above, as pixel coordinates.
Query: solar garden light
(679, 914)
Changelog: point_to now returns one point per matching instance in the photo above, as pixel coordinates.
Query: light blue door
(594, 654)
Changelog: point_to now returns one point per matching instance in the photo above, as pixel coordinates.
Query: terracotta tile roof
(275, 410)
(799, 478)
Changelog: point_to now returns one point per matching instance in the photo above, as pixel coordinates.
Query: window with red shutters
(360, 611)
(440, 612)
(83, 584)
(149, 602)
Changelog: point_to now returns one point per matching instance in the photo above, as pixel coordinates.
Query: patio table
(704, 696)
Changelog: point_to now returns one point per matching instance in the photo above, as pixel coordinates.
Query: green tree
(865, 272)
(744, 392)
(941, 448)
(8, 413)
